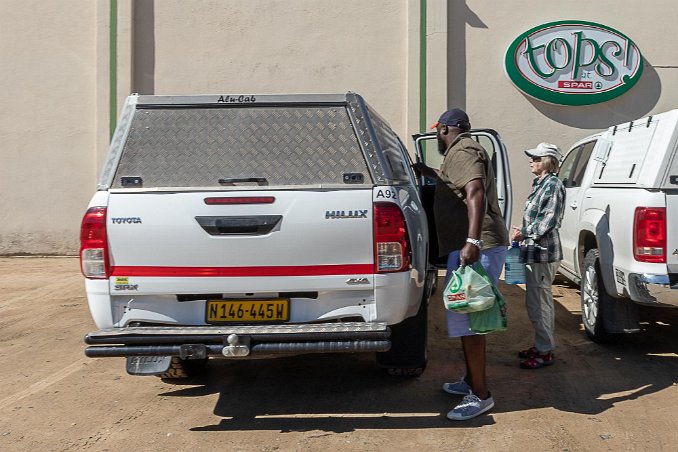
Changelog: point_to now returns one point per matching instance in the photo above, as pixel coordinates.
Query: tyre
(408, 354)
(593, 296)
(184, 368)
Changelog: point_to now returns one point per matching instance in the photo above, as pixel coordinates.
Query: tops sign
(573, 63)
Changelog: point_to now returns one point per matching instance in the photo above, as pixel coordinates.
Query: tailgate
(185, 238)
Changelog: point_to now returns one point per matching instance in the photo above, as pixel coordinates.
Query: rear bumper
(238, 341)
(653, 289)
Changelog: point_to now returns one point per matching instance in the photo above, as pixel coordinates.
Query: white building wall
(54, 124)
(282, 46)
(47, 123)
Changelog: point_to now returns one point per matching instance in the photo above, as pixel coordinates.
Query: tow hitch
(235, 348)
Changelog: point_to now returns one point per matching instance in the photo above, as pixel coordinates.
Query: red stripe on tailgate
(299, 270)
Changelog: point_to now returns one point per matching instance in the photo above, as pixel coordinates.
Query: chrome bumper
(653, 289)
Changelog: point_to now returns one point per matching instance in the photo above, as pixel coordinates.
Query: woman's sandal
(529, 353)
(537, 361)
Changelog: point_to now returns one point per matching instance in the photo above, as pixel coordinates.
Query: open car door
(426, 149)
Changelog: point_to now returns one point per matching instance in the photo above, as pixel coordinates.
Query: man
(470, 228)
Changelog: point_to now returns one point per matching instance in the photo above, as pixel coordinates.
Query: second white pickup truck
(620, 229)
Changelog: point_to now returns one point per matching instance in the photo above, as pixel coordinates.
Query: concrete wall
(47, 123)
(481, 31)
(54, 124)
(277, 46)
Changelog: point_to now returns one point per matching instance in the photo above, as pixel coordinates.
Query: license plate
(221, 311)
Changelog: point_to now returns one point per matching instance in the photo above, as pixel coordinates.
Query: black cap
(454, 117)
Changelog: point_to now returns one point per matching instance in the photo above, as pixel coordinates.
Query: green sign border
(546, 95)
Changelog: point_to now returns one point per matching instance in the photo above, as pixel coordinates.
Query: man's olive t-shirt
(466, 160)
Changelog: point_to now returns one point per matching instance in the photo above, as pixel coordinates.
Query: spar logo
(454, 285)
(573, 63)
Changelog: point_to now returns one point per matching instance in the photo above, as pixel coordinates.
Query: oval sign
(573, 63)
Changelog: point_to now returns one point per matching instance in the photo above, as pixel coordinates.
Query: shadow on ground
(343, 393)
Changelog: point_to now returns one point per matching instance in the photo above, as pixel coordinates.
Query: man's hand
(516, 236)
(424, 170)
(469, 254)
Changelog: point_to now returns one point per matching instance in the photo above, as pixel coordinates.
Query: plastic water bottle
(514, 270)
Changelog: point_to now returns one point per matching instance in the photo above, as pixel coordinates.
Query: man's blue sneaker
(458, 387)
(470, 407)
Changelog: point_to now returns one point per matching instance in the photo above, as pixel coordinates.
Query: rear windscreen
(237, 146)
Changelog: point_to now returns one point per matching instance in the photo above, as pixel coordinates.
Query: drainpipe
(113, 66)
(422, 66)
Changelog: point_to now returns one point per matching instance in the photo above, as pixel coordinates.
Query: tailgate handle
(250, 225)
(260, 181)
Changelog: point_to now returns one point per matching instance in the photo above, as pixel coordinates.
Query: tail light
(94, 245)
(391, 242)
(649, 234)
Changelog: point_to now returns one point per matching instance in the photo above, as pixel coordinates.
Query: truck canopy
(222, 141)
(639, 153)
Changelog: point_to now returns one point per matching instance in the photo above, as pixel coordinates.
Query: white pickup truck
(238, 226)
(620, 228)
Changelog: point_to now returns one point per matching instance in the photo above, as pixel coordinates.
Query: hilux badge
(335, 214)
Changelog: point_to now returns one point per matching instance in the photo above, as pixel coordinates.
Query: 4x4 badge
(354, 281)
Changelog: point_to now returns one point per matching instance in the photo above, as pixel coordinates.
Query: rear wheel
(408, 354)
(593, 295)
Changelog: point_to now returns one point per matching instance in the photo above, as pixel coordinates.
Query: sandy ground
(596, 397)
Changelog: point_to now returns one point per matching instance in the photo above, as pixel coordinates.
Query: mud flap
(148, 365)
(620, 315)
(408, 345)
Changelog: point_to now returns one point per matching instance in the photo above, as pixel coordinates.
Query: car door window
(565, 173)
(428, 143)
(582, 163)
(488, 139)
(488, 144)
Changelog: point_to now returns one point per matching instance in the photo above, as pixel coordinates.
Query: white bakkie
(281, 224)
(620, 230)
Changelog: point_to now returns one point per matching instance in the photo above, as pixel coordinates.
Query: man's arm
(475, 203)
(427, 171)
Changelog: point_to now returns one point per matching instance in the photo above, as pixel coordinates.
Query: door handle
(574, 204)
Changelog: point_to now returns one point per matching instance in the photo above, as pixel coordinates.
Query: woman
(541, 251)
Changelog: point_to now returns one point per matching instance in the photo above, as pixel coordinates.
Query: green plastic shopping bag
(490, 320)
(469, 290)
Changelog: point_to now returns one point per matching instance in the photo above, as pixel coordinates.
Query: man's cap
(455, 117)
(544, 150)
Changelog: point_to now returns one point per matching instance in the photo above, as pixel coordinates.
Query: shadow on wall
(458, 16)
(634, 104)
(143, 47)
